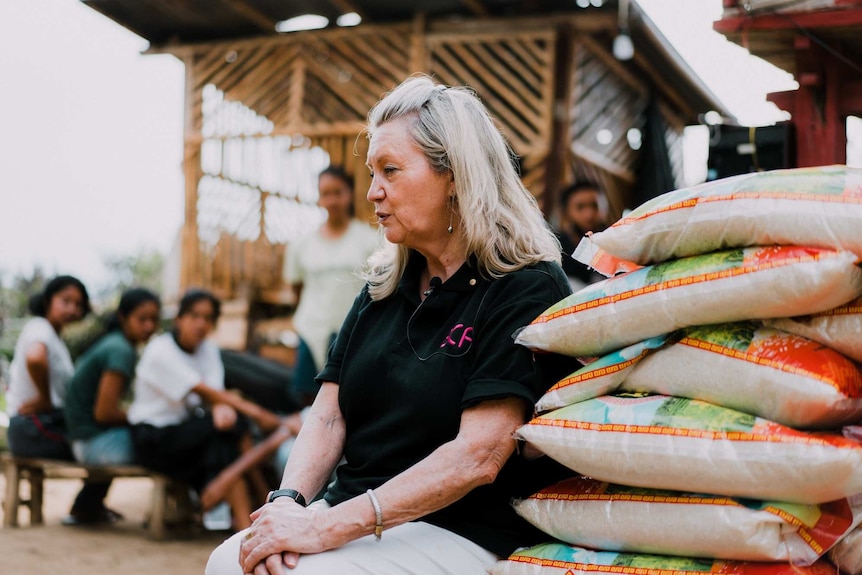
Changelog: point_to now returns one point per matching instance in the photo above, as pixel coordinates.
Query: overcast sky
(91, 130)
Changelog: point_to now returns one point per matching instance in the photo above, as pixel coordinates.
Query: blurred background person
(40, 371)
(97, 393)
(323, 270)
(581, 211)
(184, 423)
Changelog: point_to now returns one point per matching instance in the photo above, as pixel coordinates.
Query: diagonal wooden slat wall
(313, 89)
(513, 74)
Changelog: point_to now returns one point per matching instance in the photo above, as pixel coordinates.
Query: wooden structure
(266, 111)
(820, 43)
(167, 499)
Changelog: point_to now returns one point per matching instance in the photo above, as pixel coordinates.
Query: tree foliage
(141, 269)
(14, 299)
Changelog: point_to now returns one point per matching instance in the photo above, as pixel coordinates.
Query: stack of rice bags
(708, 428)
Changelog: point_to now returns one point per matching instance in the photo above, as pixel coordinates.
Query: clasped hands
(279, 533)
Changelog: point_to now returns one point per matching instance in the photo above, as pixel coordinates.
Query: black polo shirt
(407, 369)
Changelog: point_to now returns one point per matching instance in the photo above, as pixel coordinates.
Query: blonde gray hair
(500, 220)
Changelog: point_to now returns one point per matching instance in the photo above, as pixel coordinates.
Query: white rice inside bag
(600, 377)
(683, 444)
(839, 328)
(561, 559)
(734, 285)
(775, 375)
(847, 554)
(599, 515)
(819, 207)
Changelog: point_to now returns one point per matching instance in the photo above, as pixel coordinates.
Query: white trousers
(412, 548)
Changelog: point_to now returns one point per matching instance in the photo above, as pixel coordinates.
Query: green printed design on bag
(684, 413)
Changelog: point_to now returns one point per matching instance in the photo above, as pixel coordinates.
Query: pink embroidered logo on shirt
(459, 336)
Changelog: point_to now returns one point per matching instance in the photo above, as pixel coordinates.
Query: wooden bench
(35, 471)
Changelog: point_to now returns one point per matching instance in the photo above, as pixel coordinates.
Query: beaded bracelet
(378, 514)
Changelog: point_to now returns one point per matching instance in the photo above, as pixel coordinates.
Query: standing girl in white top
(323, 269)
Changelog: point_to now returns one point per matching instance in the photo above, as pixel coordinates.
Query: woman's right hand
(274, 524)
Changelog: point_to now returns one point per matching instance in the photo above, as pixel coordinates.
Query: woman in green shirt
(96, 418)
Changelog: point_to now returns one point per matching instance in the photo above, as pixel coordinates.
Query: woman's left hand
(279, 533)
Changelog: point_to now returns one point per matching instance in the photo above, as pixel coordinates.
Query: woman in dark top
(424, 386)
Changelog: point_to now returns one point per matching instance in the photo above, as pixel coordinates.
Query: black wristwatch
(292, 493)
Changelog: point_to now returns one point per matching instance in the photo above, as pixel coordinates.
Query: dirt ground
(121, 549)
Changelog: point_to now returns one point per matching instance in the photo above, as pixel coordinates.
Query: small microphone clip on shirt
(433, 284)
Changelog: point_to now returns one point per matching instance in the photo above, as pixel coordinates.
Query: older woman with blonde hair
(424, 386)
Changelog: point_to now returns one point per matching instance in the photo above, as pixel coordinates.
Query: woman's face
(141, 323)
(411, 199)
(335, 196)
(66, 306)
(195, 325)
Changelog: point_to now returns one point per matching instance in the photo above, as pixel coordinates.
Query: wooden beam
(189, 242)
(297, 92)
(594, 22)
(618, 68)
(418, 48)
(346, 7)
(252, 14)
(600, 161)
(476, 7)
(357, 32)
(561, 93)
(667, 90)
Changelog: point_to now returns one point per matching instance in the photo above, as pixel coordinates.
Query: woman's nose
(375, 192)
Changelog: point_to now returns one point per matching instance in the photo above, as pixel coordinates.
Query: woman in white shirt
(40, 371)
(184, 423)
(323, 269)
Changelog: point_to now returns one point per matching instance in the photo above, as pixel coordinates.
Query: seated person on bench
(95, 415)
(184, 423)
(41, 368)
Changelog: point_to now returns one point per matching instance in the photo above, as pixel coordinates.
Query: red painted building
(820, 43)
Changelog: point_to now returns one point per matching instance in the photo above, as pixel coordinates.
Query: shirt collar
(466, 279)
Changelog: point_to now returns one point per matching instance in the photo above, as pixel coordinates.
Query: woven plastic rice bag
(734, 285)
(839, 328)
(819, 207)
(847, 554)
(682, 444)
(853, 432)
(772, 374)
(562, 559)
(600, 377)
(589, 513)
